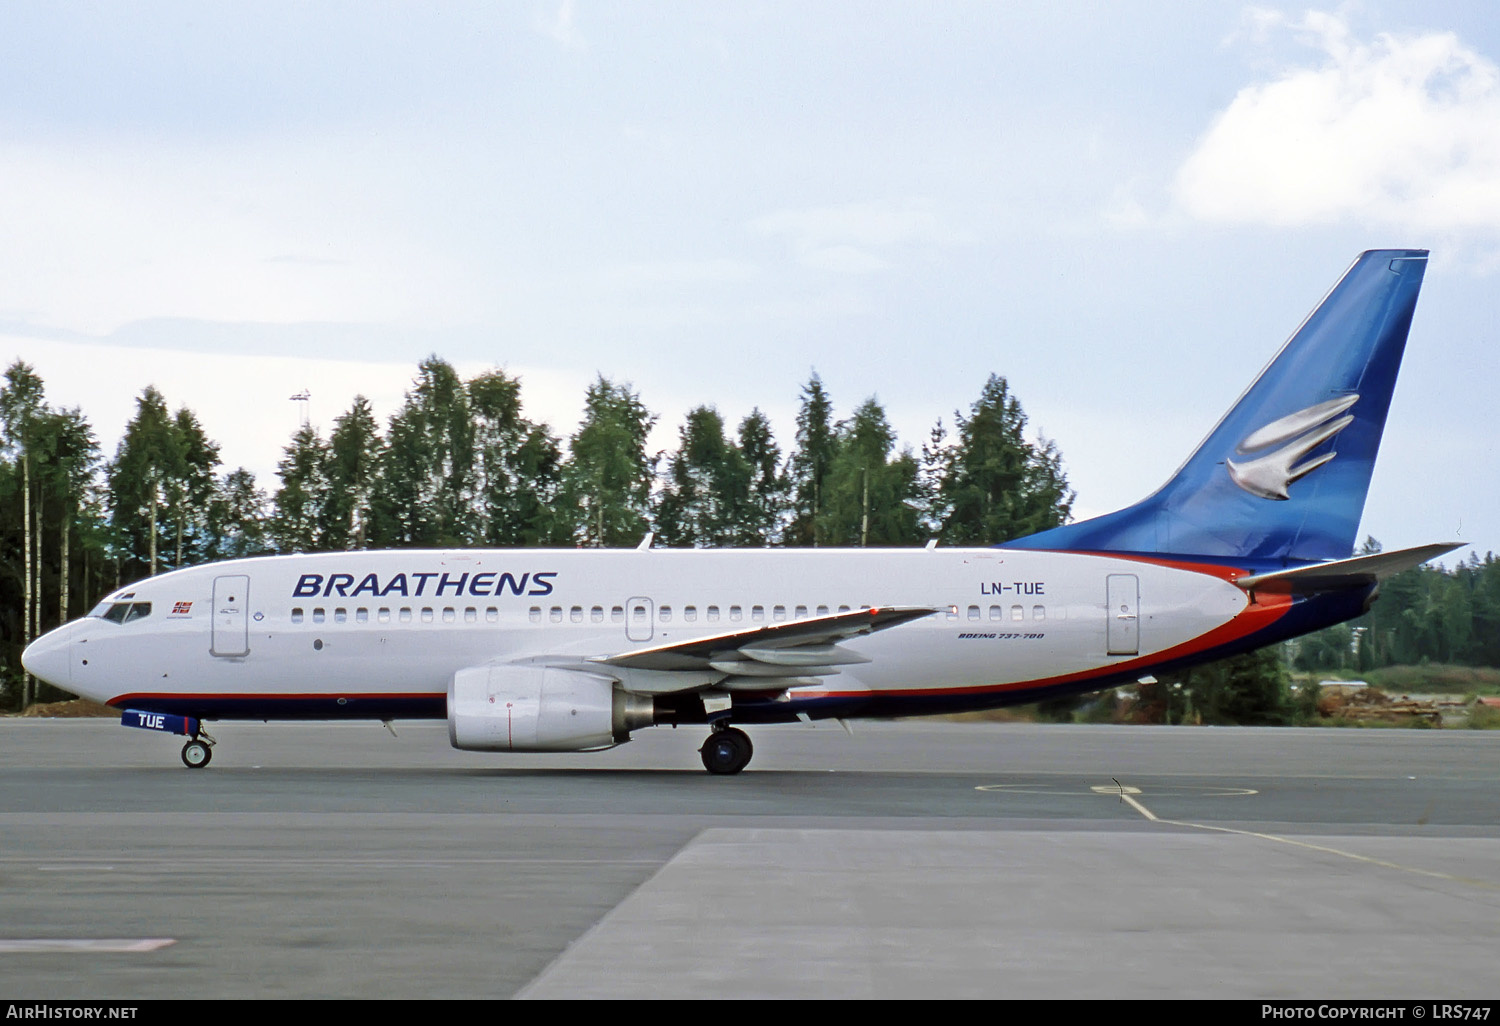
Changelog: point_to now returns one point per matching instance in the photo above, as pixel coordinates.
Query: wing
(770, 657)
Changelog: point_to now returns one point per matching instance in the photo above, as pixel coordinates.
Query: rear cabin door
(1123, 614)
(231, 624)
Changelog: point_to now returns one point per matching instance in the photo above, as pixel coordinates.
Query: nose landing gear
(198, 750)
(727, 750)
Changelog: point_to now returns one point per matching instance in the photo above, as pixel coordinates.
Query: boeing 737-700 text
(1248, 544)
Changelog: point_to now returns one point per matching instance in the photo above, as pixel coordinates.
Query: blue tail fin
(1284, 475)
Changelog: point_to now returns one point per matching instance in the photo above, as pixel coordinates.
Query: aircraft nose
(47, 658)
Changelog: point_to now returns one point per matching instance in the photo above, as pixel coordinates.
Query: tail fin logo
(1298, 434)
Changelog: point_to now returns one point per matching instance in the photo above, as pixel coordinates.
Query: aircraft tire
(195, 754)
(727, 751)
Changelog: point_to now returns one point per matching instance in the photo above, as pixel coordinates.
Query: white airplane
(571, 650)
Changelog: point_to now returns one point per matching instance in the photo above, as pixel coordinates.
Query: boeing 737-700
(1248, 544)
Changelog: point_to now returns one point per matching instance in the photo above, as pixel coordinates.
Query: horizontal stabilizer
(1347, 573)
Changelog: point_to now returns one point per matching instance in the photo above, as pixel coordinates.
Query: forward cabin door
(231, 624)
(1123, 614)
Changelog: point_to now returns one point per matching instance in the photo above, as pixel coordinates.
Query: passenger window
(471, 615)
(406, 614)
(757, 613)
(1039, 612)
(318, 615)
(297, 615)
(996, 613)
(384, 614)
(735, 613)
(973, 612)
(340, 614)
(690, 613)
(778, 613)
(361, 615)
(535, 614)
(801, 612)
(426, 614)
(449, 614)
(953, 612)
(664, 614)
(576, 614)
(822, 610)
(616, 614)
(492, 615)
(843, 609)
(713, 613)
(1017, 613)
(597, 614)
(555, 614)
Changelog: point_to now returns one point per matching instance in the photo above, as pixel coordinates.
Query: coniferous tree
(303, 495)
(426, 493)
(518, 468)
(351, 469)
(993, 485)
(707, 491)
(607, 481)
(870, 498)
(147, 457)
(810, 464)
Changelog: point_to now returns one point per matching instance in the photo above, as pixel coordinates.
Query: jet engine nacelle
(540, 709)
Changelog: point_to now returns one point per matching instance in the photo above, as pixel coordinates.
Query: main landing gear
(727, 750)
(198, 750)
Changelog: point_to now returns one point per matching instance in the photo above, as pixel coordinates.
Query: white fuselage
(377, 627)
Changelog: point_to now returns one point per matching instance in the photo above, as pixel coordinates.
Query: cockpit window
(122, 612)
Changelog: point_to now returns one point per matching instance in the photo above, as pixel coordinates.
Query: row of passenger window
(639, 613)
(596, 614)
(1017, 612)
(403, 615)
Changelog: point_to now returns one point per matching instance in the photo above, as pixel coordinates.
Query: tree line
(459, 465)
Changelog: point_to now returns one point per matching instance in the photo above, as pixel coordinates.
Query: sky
(1123, 208)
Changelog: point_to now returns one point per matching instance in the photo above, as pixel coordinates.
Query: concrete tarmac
(918, 859)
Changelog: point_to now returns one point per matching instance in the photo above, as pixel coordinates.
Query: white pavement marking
(1124, 794)
(16, 945)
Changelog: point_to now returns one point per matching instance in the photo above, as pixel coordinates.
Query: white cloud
(1403, 131)
(562, 27)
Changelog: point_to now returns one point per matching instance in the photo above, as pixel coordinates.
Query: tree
(760, 522)
(518, 468)
(189, 488)
(869, 498)
(303, 494)
(810, 464)
(992, 484)
(237, 517)
(146, 457)
(707, 491)
(20, 408)
(351, 467)
(607, 483)
(426, 492)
